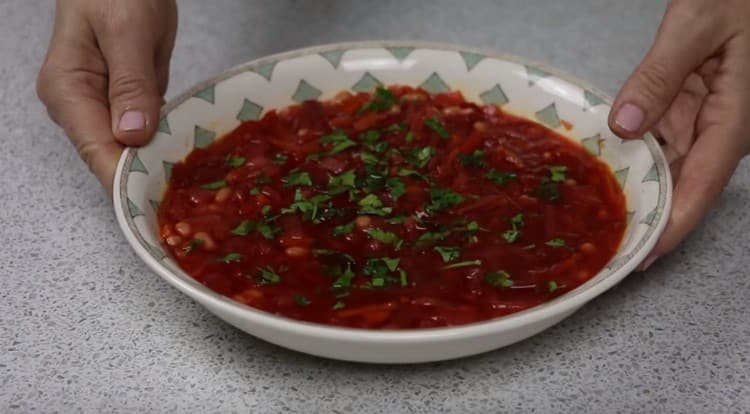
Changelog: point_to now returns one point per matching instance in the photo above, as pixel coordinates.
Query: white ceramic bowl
(245, 92)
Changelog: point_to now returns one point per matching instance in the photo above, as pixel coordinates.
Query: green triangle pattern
(167, 170)
(367, 83)
(651, 175)
(155, 251)
(435, 84)
(494, 95)
(154, 205)
(649, 219)
(164, 126)
(133, 209)
(305, 92)
(548, 116)
(137, 165)
(591, 100)
(265, 71)
(535, 74)
(206, 94)
(622, 176)
(593, 144)
(333, 57)
(471, 59)
(400, 53)
(250, 111)
(203, 137)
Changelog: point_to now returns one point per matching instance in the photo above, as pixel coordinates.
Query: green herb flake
(558, 173)
(405, 172)
(343, 229)
(397, 186)
(244, 228)
(338, 305)
(229, 258)
(391, 263)
(382, 100)
(268, 276)
(268, 231)
(402, 278)
(517, 220)
(280, 159)
(548, 190)
(409, 137)
(428, 237)
(396, 127)
(435, 125)
(467, 263)
(194, 244)
(378, 282)
(302, 300)
(265, 210)
(215, 185)
(500, 177)
(475, 159)
(419, 157)
(442, 199)
(448, 254)
(299, 178)
(338, 140)
(382, 236)
(345, 280)
(552, 286)
(555, 243)
(371, 204)
(396, 220)
(369, 158)
(499, 278)
(309, 207)
(235, 160)
(255, 191)
(511, 236)
(346, 181)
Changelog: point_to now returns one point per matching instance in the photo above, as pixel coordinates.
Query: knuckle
(655, 82)
(129, 85)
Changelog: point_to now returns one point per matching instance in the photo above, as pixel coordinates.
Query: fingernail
(648, 262)
(132, 121)
(629, 117)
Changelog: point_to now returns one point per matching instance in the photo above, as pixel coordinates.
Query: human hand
(692, 90)
(105, 73)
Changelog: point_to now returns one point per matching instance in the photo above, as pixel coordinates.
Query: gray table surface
(86, 327)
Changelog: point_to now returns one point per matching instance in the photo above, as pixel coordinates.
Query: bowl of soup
(392, 202)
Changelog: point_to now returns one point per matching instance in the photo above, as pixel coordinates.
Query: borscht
(396, 209)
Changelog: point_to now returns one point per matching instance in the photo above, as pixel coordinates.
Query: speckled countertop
(86, 327)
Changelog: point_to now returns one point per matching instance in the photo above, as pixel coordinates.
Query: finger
(164, 51)
(684, 40)
(134, 92)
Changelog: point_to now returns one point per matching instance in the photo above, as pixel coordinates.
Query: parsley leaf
(244, 228)
(500, 278)
(548, 190)
(308, 207)
(371, 204)
(382, 236)
(448, 254)
(268, 275)
(383, 100)
(419, 157)
(297, 177)
(215, 185)
(555, 243)
(338, 305)
(280, 159)
(345, 280)
(475, 159)
(442, 199)
(194, 244)
(229, 258)
(338, 140)
(435, 125)
(409, 137)
(405, 172)
(398, 188)
(234, 160)
(268, 231)
(346, 181)
(511, 236)
(343, 229)
(467, 263)
(558, 173)
(552, 286)
(302, 300)
(500, 177)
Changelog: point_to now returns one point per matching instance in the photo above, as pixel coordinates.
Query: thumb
(683, 42)
(134, 93)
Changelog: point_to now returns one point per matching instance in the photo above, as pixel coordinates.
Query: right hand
(105, 74)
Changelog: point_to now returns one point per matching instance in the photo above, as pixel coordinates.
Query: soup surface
(395, 209)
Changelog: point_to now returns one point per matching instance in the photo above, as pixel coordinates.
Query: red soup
(392, 210)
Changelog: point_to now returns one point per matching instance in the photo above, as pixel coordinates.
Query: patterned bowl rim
(562, 305)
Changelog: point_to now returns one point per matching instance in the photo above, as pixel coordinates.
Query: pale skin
(107, 69)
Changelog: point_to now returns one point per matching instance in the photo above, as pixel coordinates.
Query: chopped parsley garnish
(558, 173)
(244, 228)
(268, 275)
(402, 278)
(442, 199)
(448, 254)
(338, 140)
(194, 244)
(391, 263)
(555, 243)
(265, 210)
(429, 237)
(229, 258)
(346, 181)
(405, 172)
(551, 286)
(548, 190)
(371, 204)
(215, 185)
(396, 220)
(309, 207)
(467, 263)
(475, 159)
(419, 157)
(371, 139)
(301, 300)
(398, 188)
(435, 125)
(343, 229)
(383, 100)
(338, 305)
(297, 177)
(382, 236)
(268, 231)
(280, 159)
(379, 270)
(409, 137)
(255, 191)
(500, 177)
(345, 280)
(374, 179)
(396, 127)
(369, 158)
(235, 160)
(500, 278)
(512, 235)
